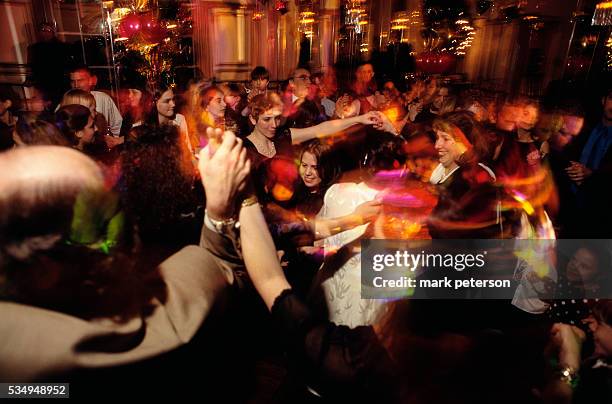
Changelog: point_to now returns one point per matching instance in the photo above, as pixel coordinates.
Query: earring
(364, 162)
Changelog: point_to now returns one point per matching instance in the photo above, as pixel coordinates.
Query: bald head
(59, 227)
(35, 166)
(39, 187)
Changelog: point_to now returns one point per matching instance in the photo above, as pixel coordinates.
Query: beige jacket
(35, 342)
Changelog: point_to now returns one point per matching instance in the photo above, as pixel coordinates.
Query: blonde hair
(79, 97)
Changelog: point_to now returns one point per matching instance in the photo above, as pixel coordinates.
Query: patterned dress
(342, 289)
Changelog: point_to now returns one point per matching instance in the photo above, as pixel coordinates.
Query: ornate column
(228, 43)
(222, 35)
(288, 42)
(329, 22)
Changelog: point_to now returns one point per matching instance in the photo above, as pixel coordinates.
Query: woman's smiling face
(448, 148)
(309, 170)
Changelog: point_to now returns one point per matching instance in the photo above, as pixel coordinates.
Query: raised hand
(386, 124)
(346, 107)
(415, 109)
(224, 172)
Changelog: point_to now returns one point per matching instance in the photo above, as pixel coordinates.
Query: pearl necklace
(265, 147)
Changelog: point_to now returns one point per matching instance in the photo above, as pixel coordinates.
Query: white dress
(343, 290)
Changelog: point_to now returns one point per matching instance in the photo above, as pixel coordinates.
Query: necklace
(265, 147)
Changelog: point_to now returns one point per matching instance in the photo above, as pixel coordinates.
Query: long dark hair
(142, 112)
(602, 311)
(305, 201)
(327, 169)
(383, 151)
(70, 119)
(152, 117)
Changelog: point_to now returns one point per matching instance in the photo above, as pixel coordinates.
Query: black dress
(338, 363)
(265, 169)
(467, 206)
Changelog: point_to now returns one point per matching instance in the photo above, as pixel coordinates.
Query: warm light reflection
(525, 204)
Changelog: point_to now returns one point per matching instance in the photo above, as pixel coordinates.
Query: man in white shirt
(84, 79)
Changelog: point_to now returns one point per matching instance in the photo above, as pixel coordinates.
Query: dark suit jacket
(593, 215)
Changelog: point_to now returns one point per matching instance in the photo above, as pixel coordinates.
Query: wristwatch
(220, 226)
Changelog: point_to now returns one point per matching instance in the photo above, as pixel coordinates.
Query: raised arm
(323, 346)
(260, 255)
(223, 175)
(328, 128)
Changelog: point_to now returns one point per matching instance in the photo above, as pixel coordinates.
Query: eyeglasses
(302, 77)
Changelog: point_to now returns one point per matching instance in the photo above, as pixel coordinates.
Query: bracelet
(251, 200)
(221, 226)
(569, 376)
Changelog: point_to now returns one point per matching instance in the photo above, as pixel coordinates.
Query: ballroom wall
(228, 43)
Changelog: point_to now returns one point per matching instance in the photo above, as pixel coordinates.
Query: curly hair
(264, 102)
(158, 187)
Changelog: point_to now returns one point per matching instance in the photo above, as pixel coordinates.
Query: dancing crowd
(137, 227)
